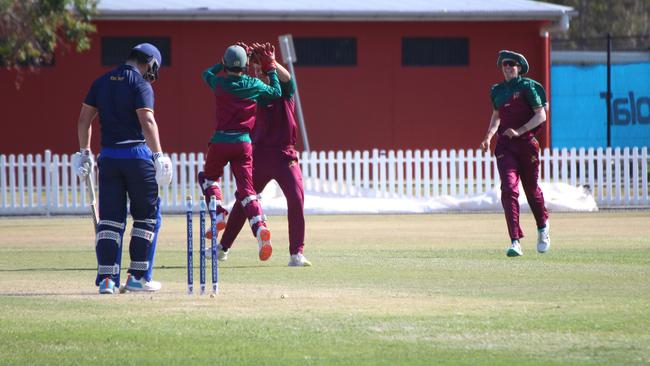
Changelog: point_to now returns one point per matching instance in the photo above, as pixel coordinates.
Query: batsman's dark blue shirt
(117, 95)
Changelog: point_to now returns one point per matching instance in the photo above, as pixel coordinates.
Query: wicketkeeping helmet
(235, 56)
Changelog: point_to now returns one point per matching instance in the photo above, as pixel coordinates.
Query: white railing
(46, 184)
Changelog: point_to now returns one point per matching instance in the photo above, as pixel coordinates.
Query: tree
(30, 30)
(628, 21)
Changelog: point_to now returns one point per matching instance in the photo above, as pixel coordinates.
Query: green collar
(514, 81)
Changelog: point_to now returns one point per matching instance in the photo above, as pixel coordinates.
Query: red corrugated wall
(376, 104)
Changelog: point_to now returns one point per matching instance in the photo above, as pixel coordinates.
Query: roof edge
(202, 14)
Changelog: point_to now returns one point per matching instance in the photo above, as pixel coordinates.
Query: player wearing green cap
(519, 110)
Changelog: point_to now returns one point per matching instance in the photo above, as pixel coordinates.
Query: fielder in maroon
(275, 157)
(519, 110)
(236, 96)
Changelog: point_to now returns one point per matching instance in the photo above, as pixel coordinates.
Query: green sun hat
(511, 55)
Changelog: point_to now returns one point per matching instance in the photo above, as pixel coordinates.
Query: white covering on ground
(558, 197)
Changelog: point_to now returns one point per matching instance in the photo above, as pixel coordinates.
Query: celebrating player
(130, 163)
(236, 96)
(275, 157)
(519, 109)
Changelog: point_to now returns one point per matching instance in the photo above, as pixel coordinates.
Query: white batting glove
(82, 162)
(164, 169)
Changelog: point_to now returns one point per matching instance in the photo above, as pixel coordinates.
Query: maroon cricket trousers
(239, 155)
(282, 165)
(518, 159)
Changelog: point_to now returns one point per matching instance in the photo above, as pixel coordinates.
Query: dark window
(115, 50)
(438, 51)
(320, 51)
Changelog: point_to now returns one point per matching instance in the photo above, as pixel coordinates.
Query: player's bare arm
(283, 74)
(494, 125)
(84, 125)
(149, 129)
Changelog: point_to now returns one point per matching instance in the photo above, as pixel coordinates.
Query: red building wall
(375, 104)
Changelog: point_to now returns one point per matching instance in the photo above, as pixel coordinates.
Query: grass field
(384, 290)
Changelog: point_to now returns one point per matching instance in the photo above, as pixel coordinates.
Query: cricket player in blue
(131, 164)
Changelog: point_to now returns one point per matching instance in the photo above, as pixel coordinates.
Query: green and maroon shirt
(236, 101)
(516, 101)
(276, 120)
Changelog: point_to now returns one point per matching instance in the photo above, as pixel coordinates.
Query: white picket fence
(45, 184)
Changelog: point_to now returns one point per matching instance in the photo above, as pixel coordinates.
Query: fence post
(470, 171)
(644, 175)
(55, 182)
(382, 174)
(357, 172)
(626, 175)
(573, 167)
(461, 174)
(12, 181)
(408, 160)
(617, 175)
(3, 180)
(608, 175)
(366, 169)
(340, 179)
(426, 162)
(331, 171)
(47, 170)
(30, 181)
(635, 176)
(435, 182)
(322, 171)
(417, 162)
(398, 172)
(313, 170)
(443, 172)
(349, 173)
(592, 171)
(478, 169)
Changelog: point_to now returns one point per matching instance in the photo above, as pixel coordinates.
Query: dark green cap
(511, 55)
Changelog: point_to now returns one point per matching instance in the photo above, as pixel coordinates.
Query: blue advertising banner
(579, 105)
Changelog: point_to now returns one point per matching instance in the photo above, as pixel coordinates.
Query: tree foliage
(30, 30)
(628, 21)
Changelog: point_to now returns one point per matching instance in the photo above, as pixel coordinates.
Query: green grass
(384, 290)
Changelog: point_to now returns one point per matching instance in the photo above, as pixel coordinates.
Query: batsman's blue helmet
(148, 54)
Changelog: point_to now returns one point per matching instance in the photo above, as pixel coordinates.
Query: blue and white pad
(108, 245)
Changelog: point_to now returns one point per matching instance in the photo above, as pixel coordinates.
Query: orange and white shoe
(264, 242)
(221, 225)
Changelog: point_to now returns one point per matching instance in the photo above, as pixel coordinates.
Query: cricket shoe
(107, 286)
(132, 284)
(515, 249)
(222, 255)
(299, 260)
(221, 225)
(264, 242)
(543, 239)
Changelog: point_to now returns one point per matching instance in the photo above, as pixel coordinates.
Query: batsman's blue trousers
(127, 173)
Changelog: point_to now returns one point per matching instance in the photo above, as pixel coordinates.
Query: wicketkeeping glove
(82, 162)
(164, 169)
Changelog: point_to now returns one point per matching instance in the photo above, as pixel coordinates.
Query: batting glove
(82, 162)
(164, 169)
